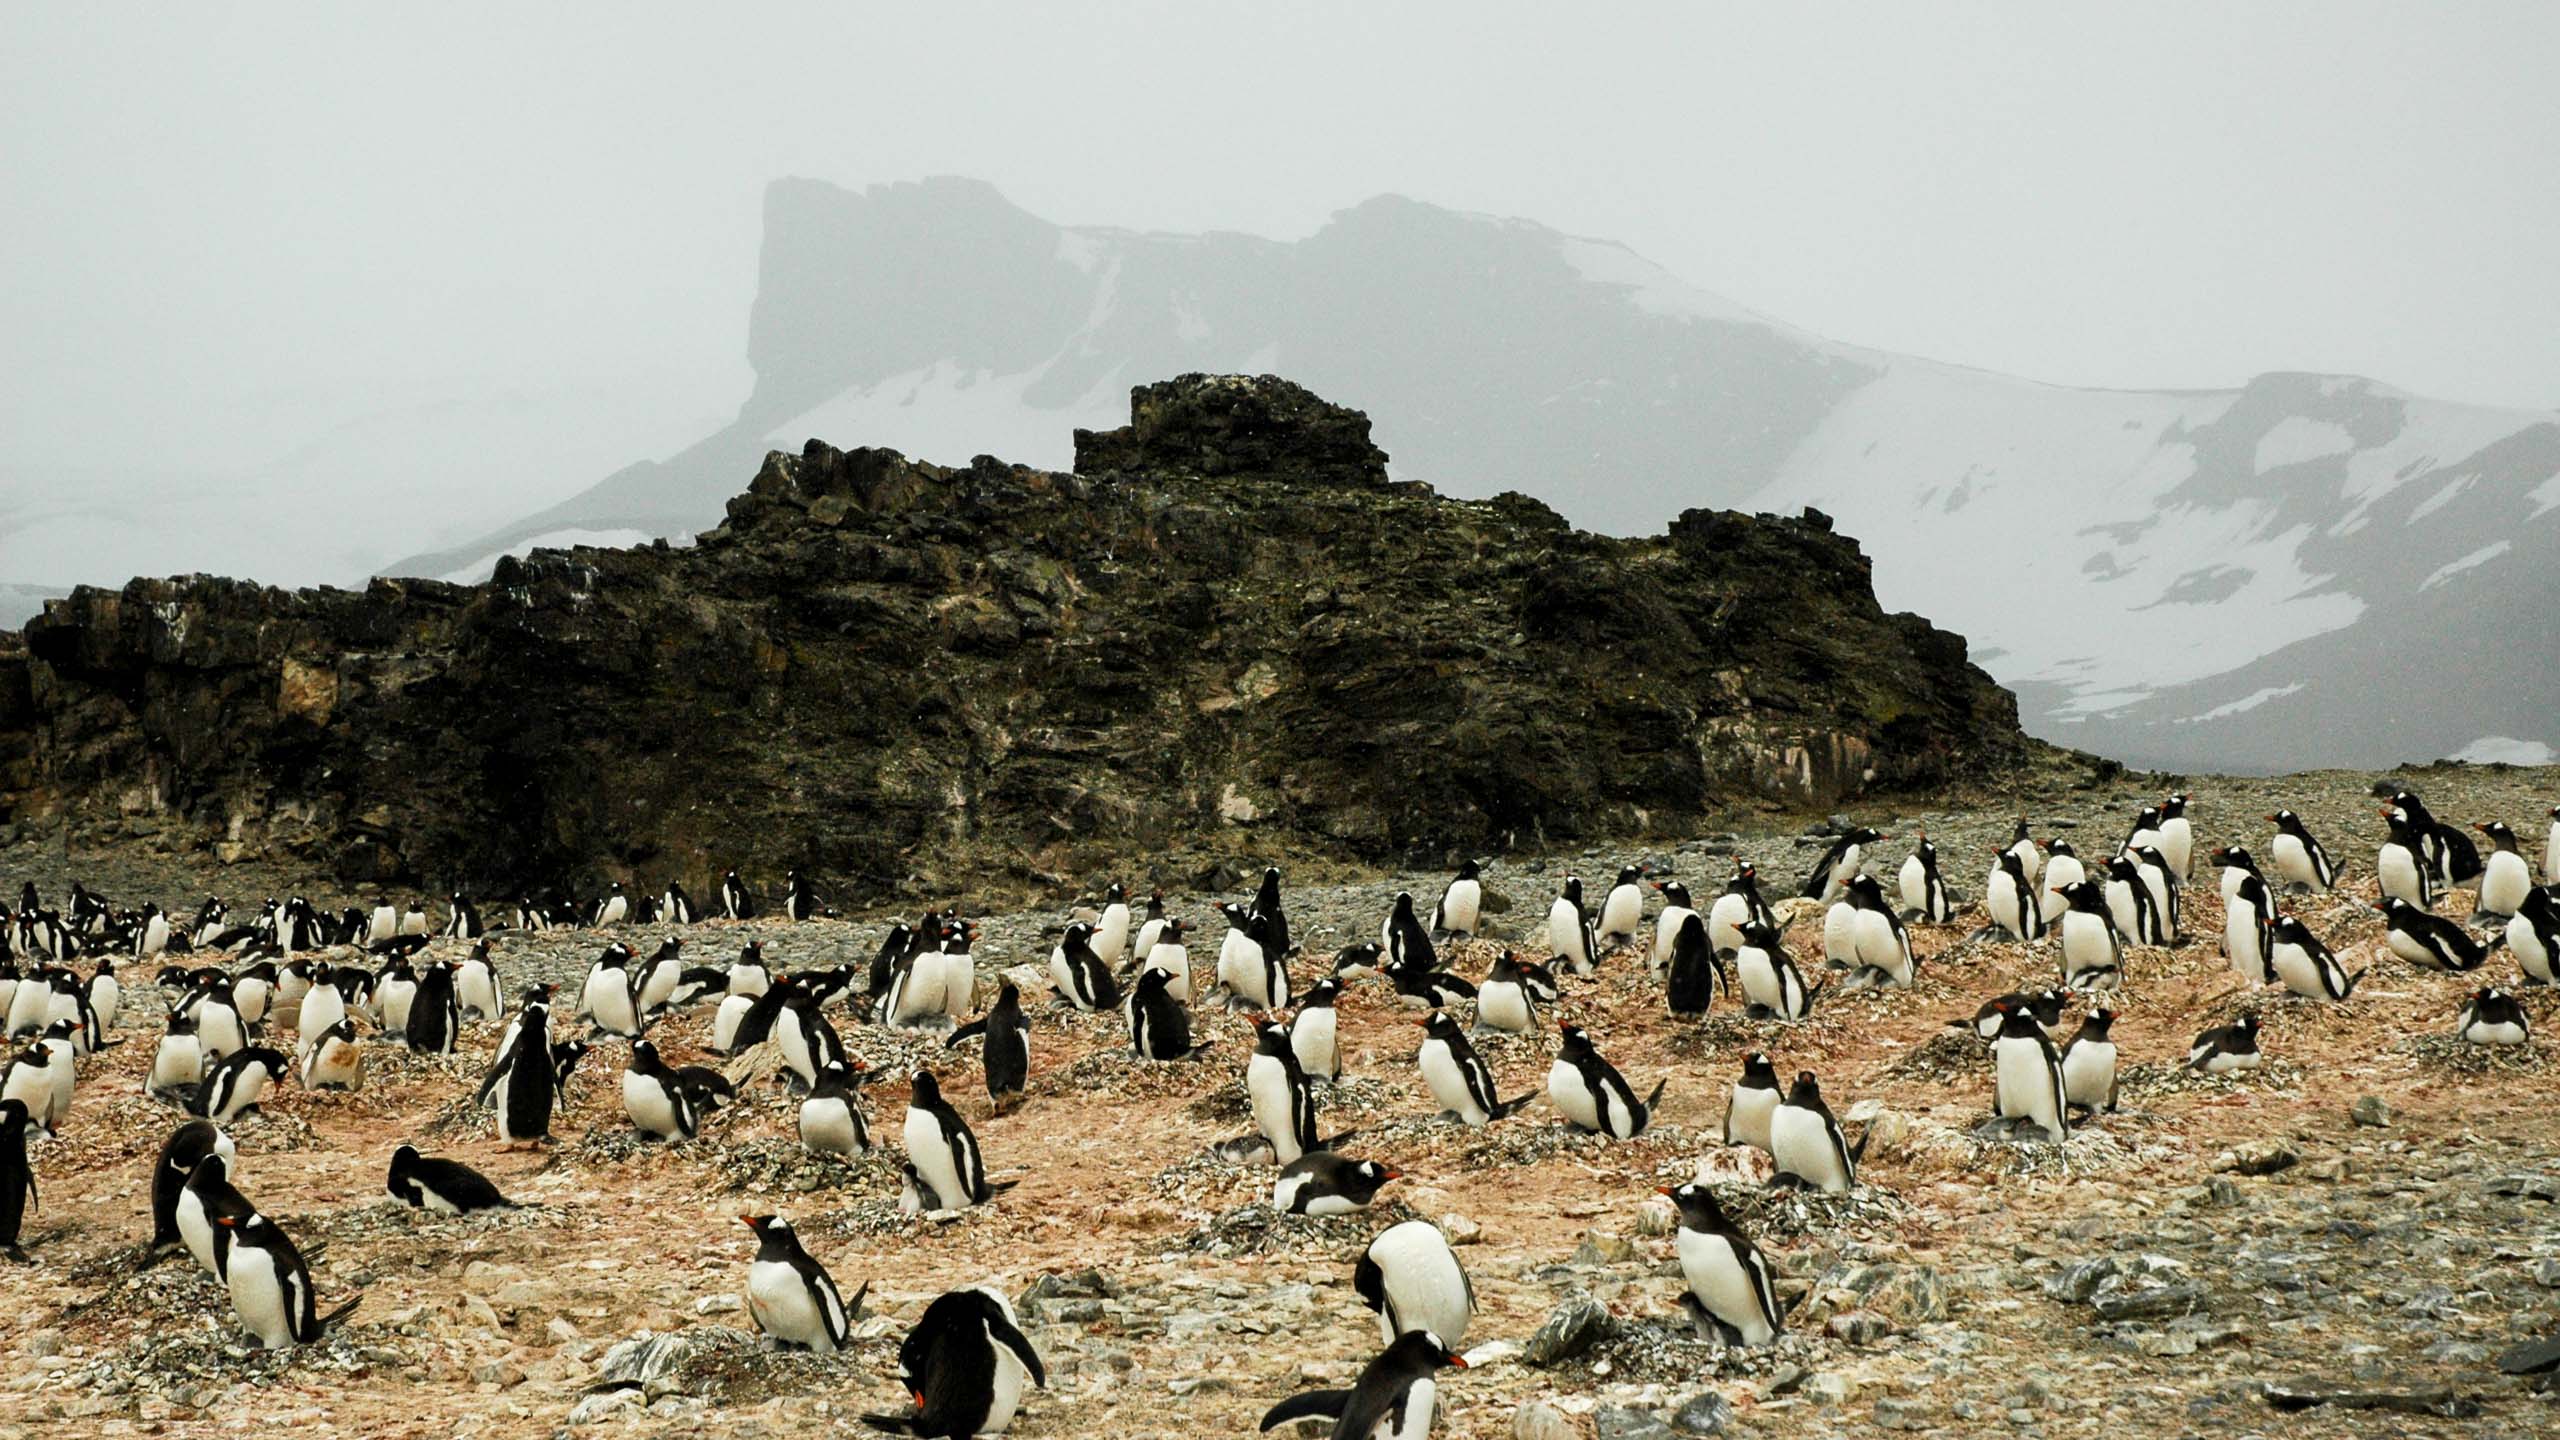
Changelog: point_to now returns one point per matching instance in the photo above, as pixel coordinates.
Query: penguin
(177, 1064)
(2248, 917)
(2045, 1006)
(1394, 1398)
(565, 1055)
(1008, 1045)
(1924, 894)
(1421, 989)
(674, 906)
(435, 1015)
(1312, 1035)
(1569, 929)
(1266, 903)
(2305, 965)
(522, 1083)
(2089, 1063)
(2027, 1086)
(963, 1364)
(1622, 910)
(2298, 856)
(943, 1150)
(2504, 880)
(2450, 856)
(202, 1202)
(1277, 1092)
(17, 1178)
(657, 1103)
(1505, 1001)
(2023, 845)
(1883, 947)
(791, 1296)
(271, 1285)
(1150, 929)
(2129, 902)
(606, 998)
(475, 986)
(331, 1061)
(324, 1002)
(2092, 947)
(1806, 1143)
(831, 1118)
(1739, 905)
(439, 1186)
(806, 1040)
(1321, 1183)
(413, 920)
(1730, 1294)
(2145, 834)
(749, 976)
(1111, 929)
(799, 900)
(1250, 967)
(190, 1142)
(2490, 1017)
(1461, 906)
(2177, 842)
(386, 922)
(654, 980)
(1590, 1093)
(2534, 936)
(2429, 940)
(1753, 1101)
(1353, 961)
(2161, 883)
(233, 1085)
(151, 937)
(2551, 850)
(754, 1025)
(1403, 943)
(1458, 1079)
(2062, 868)
(735, 902)
(1691, 987)
(1830, 875)
(106, 992)
(1676, 910)
(1159, 1025)
(2012, 900)
(2402, 864)
(2225, 1048)
(1079, 976)
(613, 909)
(462, 918)
(1413, 1280)
(1772, 987)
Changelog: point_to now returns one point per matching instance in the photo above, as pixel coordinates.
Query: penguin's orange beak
(2483, 829)
(1661, 1189)
(1395, 1174)
(1457, 1362)
(747, 1220)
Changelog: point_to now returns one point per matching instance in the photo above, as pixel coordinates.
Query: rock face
(876, 669)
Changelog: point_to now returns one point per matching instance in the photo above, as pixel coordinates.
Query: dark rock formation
(879, 670)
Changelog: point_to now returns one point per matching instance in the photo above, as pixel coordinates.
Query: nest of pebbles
(1257, 1229)
(2446, 1055)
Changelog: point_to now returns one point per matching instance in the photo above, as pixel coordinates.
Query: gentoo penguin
(1403, 943)
(1172, 956)
(1458, 1078)
(2451, 857)
(2162, 884)
(2305, 965)
(1772, 987)
(804, 1036)
(206, 1198)
(1590, 1093)
(475, 985)
(2248, 916)
(2089, 1063)
(1413, 1280)
(1730, 1294)
(2490, 1017)
(2424, 938)
(2145, 834)
(2551, 850)
(1883, 947)
(190, 1142)
(613, 909)
(2046, 1006)
(1570, 931)
(1622, 910)
(151, 937)
(658, 1104)
(2226, 1047)
(106, 992)
(1111, 930)
(2027, 1087)
(1807, 1144)
(1830, 874)
(1283, 1103)
(675, 907)
(2534, 936)
(2297, 855)
(1690, 988)
(799, 899)
(1078, 975)
(2504, 879)
(440, 1186)
(2023, 845)
(1924, 894)
(2092, 948)
(2402, 864)
(17, 1177)
(177, 1063)
(1676, 910)
(1159, 1025)
(1393, 1399)
(413, 920)
(1250, 968)
(521, 1084)
(1461, 905)
(1507, 1001)
(791, 1296)
(1753, 1101)
(2177, 837)
(462, 918)
(963, 1364)
(1739, 905)
(435, 1015)
(1312, 1035)
(2129, 903)
(270, 1285)
(654, 980)
(950, 1171)
(735, 902)
(1008, 1045)
(385, 924)
(2012, 900)
(831, 1118)
(2061, 867)
(1321, 1183)
(1150, 929)
(233, 1085)
(331, 1059)
(1266, 903)
(1419, 988)
(607, 998)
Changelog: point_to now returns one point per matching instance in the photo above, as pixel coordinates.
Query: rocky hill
(1227, 620)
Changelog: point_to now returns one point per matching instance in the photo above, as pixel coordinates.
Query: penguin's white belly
(2001, 896)
(1564, 931)
(2504, 882)
(1747, 1115)
(2291, 861)
(2088, 1073)
(2240, 938)
(1461, 907)
(1725, 920)
(1840, 935)
(2533, 957)
(2300, 972)
(1311, 1038)
(2025, 1085)
(606, 998)
(1111, 934)
(336, 1065)
(395, 1008)
(2031, 861)
(1622, 913)
(1503, 1007)
(2400, 875)
(1448, 1084)
(1005, 1400)
(321, 1008)
(1801, 1145)
(959, 985)
(259, 1301)
(1572, 1099)
(2177, 846)
(1425, 1289)
(246, 1086)
(2406, 946)
(784, 1306)
(646, 1102)
(195, 1231)
(477, 990)
(2551, 855)
(1721, 1279)
(931, 1154)
(1881, 948)
(918, 996)
(1913, 881)
(1266, 1085)
(657, 985)
(2085, 943)
(2503, 1033)
(178, 1061)
(1175, 962)
(1759, 976)
(2060, 871)
(724, 1021)
(1240, 968)
(31, 1086)
(826, 1126)
(1666, 929)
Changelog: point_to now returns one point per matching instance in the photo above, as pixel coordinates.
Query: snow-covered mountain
(2310, 570)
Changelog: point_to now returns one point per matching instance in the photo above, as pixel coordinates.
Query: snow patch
(2505, 750)
(481, 570)
(949, 413)
(2443, 497)
(2451, 568)
(1654, 290)
(2296, 439)
(2245, 702)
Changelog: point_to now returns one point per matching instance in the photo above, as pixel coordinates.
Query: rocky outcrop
(879, 670)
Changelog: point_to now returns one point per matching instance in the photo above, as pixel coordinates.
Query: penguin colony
(341, 983)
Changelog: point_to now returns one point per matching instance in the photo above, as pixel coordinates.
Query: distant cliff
(1227, 621)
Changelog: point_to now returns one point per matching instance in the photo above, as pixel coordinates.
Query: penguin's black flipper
(970, 1031)
(2352, 981)
(894, 1424)
(326, 1322)
(1514, 1107)
(1313, 1405)
(1655, 1098)
(853, 1307)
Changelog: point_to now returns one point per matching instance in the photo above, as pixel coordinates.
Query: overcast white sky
(229, 228)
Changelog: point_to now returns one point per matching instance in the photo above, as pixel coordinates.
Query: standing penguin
(1570, 931)
(1730, 1293)
(1150, 929)
(1461, 904)
(440, 1186)
(2225, 1048)
(1806, 1143)
(2403, 866)
(943, 1150)
(2092, 949)
(1078, 974)
(17, 1177)
(203, 1201)
(1111, 929)
(2248, 916)
(475, 986)
(1159, 1025)
(1676, 910)
(1276, 1090)
(2305, 965)
(2089, 1063)
(2012, 899)
(435, 1015)
(1830, 875)
(831, 1119)
(1266, 903)
(1772, 987)
(1249, 964)
(2490, 1017)
(2534, 936)
(2062, 868)
(1312, 1035)
(799, 900)
(2504, 879)
(331, 1059)
(1459, 1080)
(270, 1285)
(1691, 986)
(2450, 856)
(1008, 1045)
(1739, 905)
(1411, 1278)
(1394, 1398)
(2023, 845)
(519, 1085)
(676, 907)
(2161, 883)
(1403, 943)
(233, 1086)
(1924, 894)
(613, 909)
(735, 902)
(1883, 947)
(1622, 911)
(190, 1142)
(177, 1063)
(1507, 1001)
(1590, 1093)
(791, 1296)
(659, 1104)
(2298, 856)
(462, 918)
(2178, 837)
(607, 998)
(964, 1364)
(2027, 1088)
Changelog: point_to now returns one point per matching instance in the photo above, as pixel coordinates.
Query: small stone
(1538, 1420)
(1706, 1414)
(1828, 1387)
(2546, 1273)
(1571, 1328)
(1460, 1230)
(2532, 1357)
(1616, 1423)
(2372, 1111)
(2223, 1194)
(1492, 1352)
(716, 1305)
(611, 1402)
(2426, 1400)
(1895, 1414)
(1656, 1216)
(561, 1330)
(1858, 1327)
(42, 1343)
(2262, 1157)
(1599, 1247)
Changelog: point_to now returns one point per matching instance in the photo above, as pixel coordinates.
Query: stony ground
(2219, 1252)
